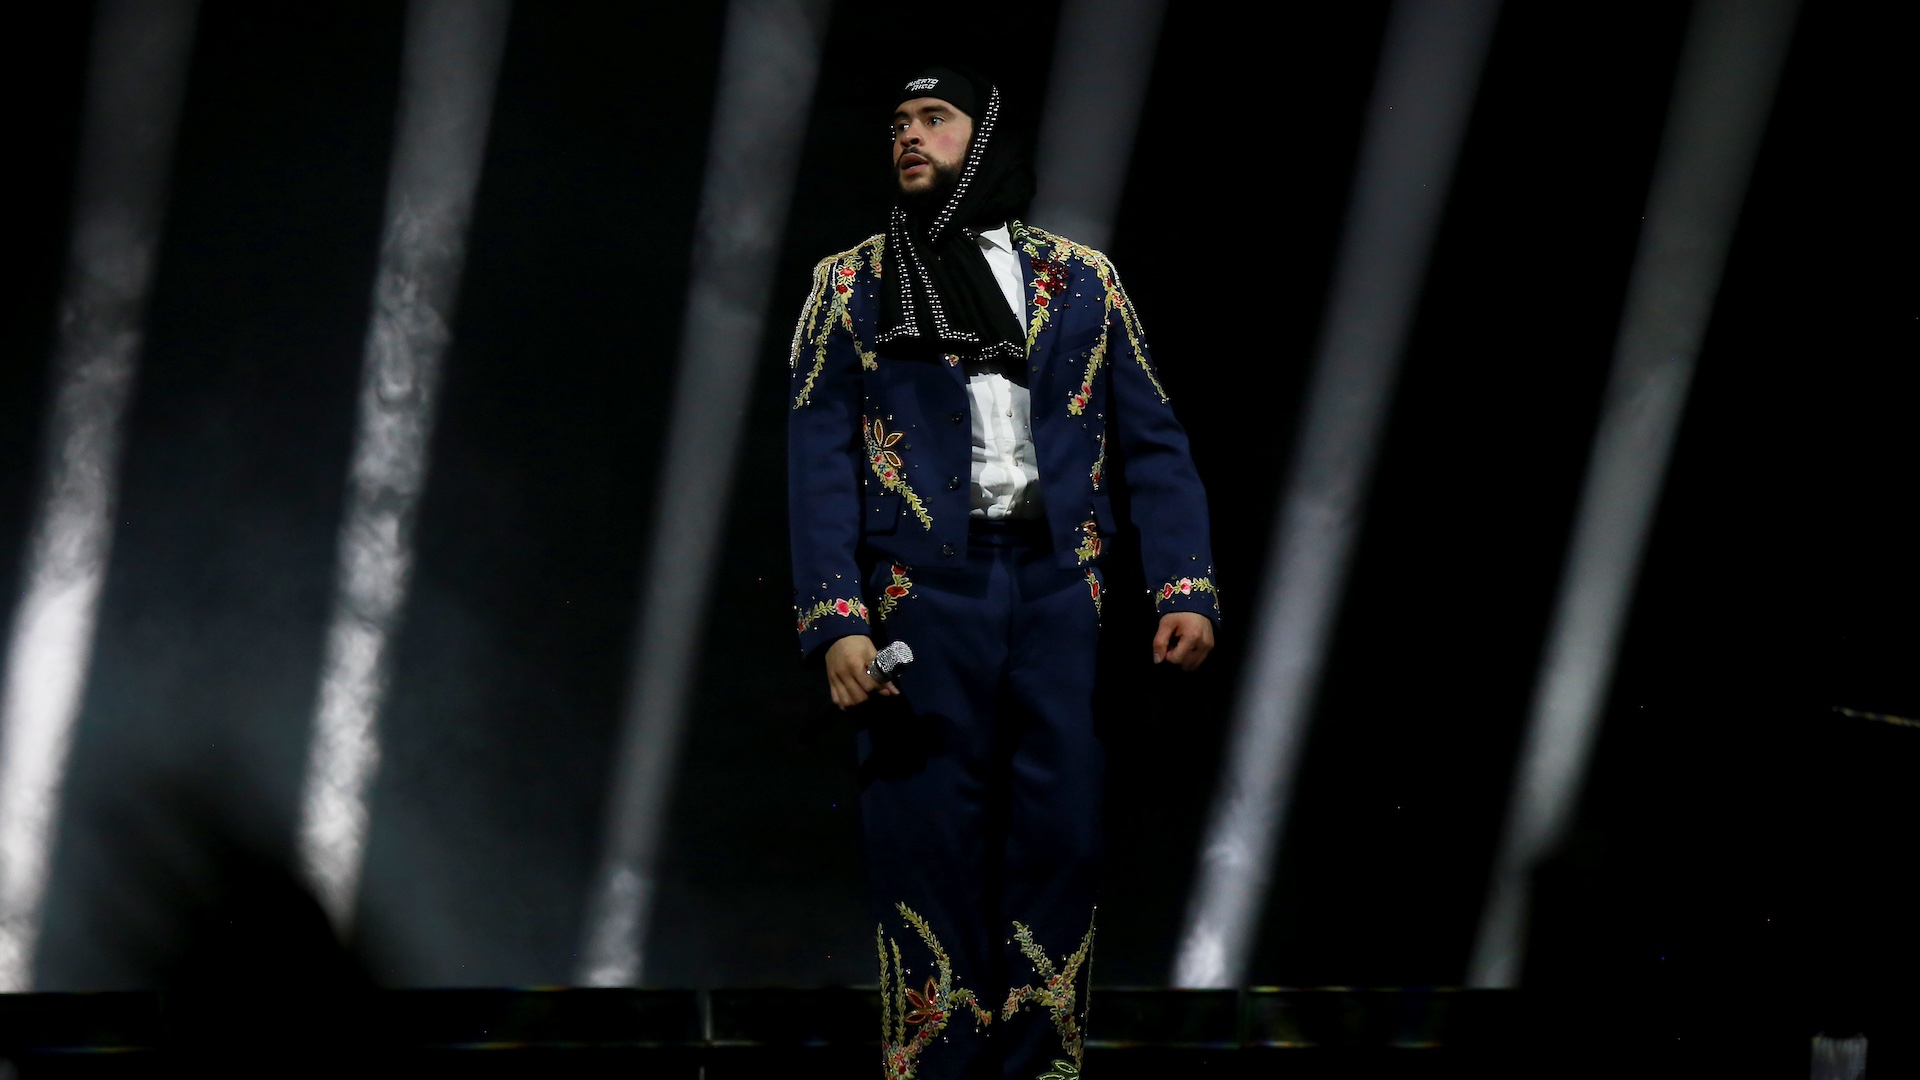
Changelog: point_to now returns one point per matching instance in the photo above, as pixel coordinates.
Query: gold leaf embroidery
(844, 608)
(1056, 990)
(1089, 548)
(1114, 295)
(927, 1011)
(1186, 586)
(833, 281)
(889, 468)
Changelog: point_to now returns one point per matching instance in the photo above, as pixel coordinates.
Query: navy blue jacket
(880, 451)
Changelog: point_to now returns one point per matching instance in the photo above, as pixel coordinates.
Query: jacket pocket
(882, 515)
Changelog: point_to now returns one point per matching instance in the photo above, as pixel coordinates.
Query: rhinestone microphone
(889, 662)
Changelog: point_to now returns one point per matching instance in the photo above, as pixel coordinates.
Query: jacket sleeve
(1169, 503)
(823, 467)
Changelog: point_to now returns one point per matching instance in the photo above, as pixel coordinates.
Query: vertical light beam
(451, 58)
(1728, 71)
(768, 65)
(136, 74)
(1429, 72)
(1102, 57)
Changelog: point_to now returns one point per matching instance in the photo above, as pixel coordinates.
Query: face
(929, 142)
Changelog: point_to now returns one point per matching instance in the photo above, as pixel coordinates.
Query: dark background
(1735, 831)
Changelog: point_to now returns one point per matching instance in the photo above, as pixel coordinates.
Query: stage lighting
(1429, 72)
(451, 58)
(768, 64)
(1728, 71)
(136, 74)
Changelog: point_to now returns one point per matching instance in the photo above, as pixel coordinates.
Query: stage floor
(720, 1034)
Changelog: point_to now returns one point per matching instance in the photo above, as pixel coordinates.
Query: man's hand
(1189, 633)
(847, 678)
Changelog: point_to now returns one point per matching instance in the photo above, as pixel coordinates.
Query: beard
(926, 202)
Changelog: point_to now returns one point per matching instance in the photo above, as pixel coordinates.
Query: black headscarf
(940, 295)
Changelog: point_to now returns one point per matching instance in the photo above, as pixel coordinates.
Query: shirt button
(946, 549)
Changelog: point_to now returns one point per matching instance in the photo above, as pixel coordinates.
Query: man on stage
(967, 393)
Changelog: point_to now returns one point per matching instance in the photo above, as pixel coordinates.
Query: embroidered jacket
(879, 449)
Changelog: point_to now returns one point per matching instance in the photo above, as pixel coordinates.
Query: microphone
(889, 662)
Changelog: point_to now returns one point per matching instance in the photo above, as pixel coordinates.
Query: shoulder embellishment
(834, 278)
(1050, 254)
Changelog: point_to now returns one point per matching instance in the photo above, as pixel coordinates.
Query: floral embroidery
(928, 1011)
(891, 596)
(1049, 281)
(1077, 401)
(925, 1004)
(1130, 322)
(883, 456)
(1056, 990)
(1099, 472)
(1060, 1070)
(1060, 250)
(1089, 548)
(843, 608)
(1093, 585)
(1186, 586)
(888, 466)
(833, 281)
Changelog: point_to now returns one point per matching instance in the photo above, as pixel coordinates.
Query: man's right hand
(847, 677)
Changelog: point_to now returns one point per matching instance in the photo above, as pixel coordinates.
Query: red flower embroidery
(841, 607)
(883, 454)
(1166, 590)
(1040, 300)
(1093, 586)
(1089, 548)
(925, 1006)
(1186, 586)
(841, 289)
(891, 595)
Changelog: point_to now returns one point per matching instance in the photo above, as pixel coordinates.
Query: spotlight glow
(1102, 58)
(452, 55)
(1429, 72)
(768, 64)
(135, 77)
(1725, 87)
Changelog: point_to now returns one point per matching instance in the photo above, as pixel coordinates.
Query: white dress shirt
(1006, 472)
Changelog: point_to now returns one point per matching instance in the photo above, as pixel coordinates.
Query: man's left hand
(1185, 638)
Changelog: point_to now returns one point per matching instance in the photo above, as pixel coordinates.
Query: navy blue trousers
(980, 809)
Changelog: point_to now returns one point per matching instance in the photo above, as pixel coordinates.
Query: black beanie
(961, 89)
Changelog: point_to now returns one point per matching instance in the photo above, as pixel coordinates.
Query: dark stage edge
(721, 1034)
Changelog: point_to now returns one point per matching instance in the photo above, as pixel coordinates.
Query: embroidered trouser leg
(980, 810)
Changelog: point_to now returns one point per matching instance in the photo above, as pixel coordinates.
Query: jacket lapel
(1040, 352)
